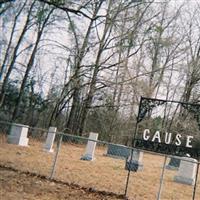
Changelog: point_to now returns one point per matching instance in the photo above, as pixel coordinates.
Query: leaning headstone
(90, 148)
(18, 134)
(118, 151)
(50, 139)
(173, 164)
(187, 171)
(136, 162)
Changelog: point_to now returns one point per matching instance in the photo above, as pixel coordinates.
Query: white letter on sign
(188, 142)
(145, 136)
(168, 137)
(178, 142)
(156, 136)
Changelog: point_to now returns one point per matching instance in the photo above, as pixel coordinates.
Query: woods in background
(83, 65)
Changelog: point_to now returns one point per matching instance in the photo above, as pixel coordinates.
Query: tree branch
(66, 9)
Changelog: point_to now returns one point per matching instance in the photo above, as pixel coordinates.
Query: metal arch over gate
(167, 127)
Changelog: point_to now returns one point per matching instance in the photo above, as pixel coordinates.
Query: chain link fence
(99, 165)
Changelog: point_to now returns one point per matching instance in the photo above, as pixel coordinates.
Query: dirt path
(20, 186)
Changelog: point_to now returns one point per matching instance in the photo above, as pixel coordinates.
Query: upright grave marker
(18, 134)
(135, 162)
(50, 139)
(90, 148)
(118, 151)
(173, 164)
(187, 171)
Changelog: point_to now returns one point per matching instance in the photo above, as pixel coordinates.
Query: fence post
(128, 176)
(195, 184)
(161, 179)
(56, 156)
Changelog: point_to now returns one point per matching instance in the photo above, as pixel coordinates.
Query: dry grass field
(22, 186)
(102, 174)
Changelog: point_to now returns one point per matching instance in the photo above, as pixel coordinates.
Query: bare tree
(42, 23)
(8, 49)
(15, 52)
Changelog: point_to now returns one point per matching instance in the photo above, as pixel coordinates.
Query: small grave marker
(90, 148)
(135, 164)
(50, 139)
(118, 151)
(18, 134)
(173, 164)
(187, 171)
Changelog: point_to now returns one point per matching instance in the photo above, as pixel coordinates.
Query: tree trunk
(72, 124)
(14, 56)
(88, 102)
(3, 66)
(29, 66)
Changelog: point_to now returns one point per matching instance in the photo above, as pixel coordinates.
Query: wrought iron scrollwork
(146, 106)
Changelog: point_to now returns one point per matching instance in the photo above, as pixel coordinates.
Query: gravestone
(173, 164)
(90, 148)
(187, 171)
(118, 151)
(18, 134)
(136, 163)
(50, 139)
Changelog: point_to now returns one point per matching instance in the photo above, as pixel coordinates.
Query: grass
(104, 173)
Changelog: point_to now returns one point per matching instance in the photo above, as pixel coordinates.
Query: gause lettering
(167, 138)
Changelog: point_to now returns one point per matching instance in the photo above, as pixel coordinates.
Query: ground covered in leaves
(22, 186)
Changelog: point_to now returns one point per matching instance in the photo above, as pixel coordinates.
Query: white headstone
(18, 134)
(138, 156)
(50, 139)
(135, 162)
(90, 148)
(187, 171)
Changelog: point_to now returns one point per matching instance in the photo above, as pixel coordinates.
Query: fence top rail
(128, 147)
(105, 142)
(17, 124)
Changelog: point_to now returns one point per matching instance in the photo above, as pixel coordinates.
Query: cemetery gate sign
(168, 127)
